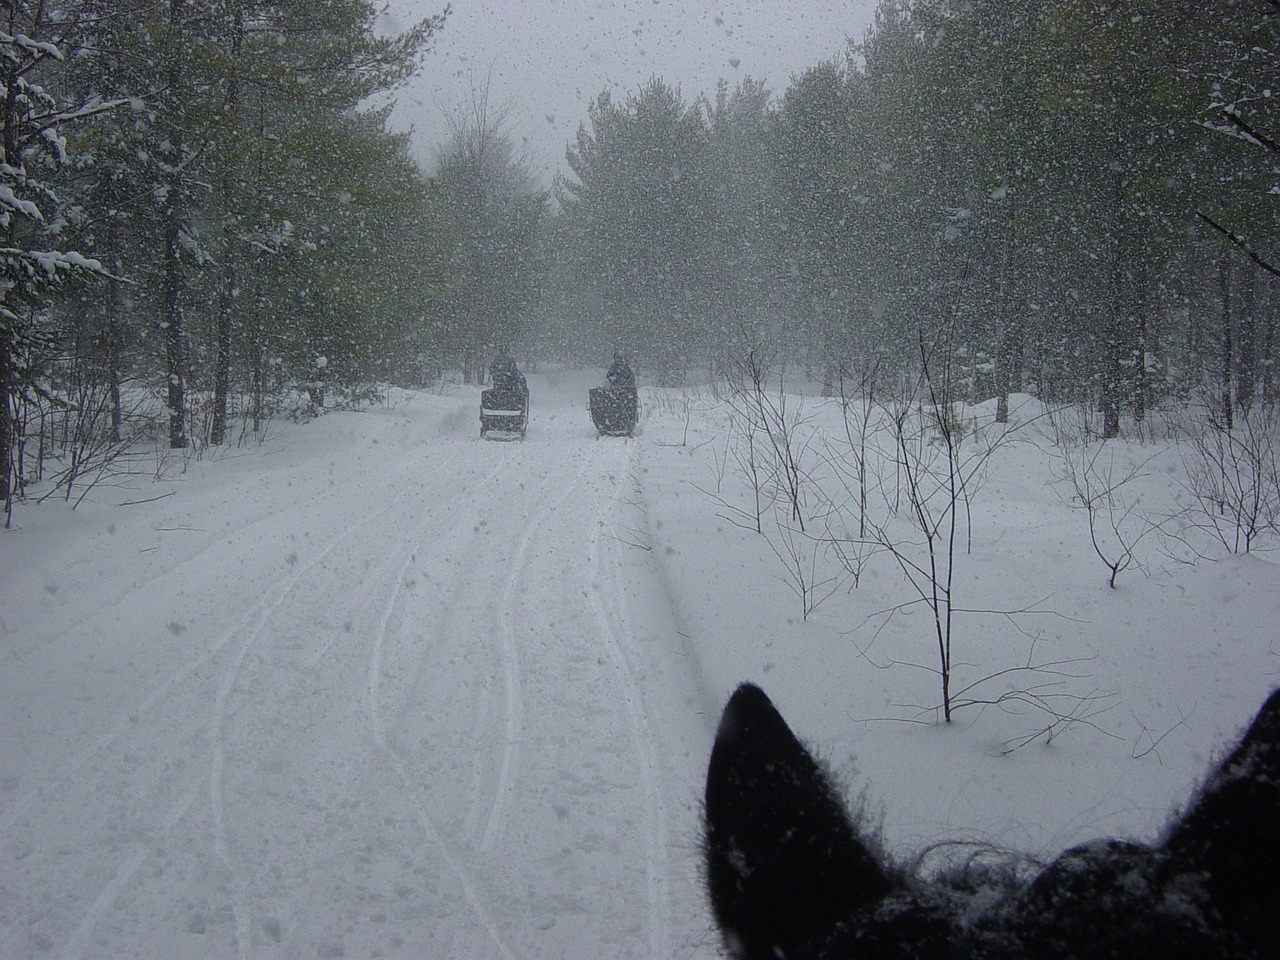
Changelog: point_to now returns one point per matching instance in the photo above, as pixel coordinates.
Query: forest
(209, 222)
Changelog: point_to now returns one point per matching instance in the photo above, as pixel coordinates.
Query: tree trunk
(1140, 385)
(1110, 407)
(174, 335)
(1004, 335)
(1115, 338)
(8, 394)
(1247, 352)
(175, 348)
(1269, 343)
(1224, 285)
(1112, 356)
(222, 369)
(111, 367)
(257, 378)
(8, 335)
(227, 295)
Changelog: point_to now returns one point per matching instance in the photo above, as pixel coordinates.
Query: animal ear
(1229, 837)
(784, 862)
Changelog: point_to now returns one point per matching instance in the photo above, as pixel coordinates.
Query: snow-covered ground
(377, 688)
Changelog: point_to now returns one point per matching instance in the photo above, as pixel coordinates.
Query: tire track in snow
(217, 799)
(614, 629)
(514, 707)
(131, 717)
(426, 821)
(254, 622)
(75, 945)
(404, 558)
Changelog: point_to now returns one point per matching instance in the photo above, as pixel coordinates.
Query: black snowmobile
(504, 409)
(614, 410)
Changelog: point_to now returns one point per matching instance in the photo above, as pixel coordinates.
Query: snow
(9, 199)
(377, 688)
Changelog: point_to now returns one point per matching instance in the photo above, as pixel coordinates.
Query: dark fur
(791, 878)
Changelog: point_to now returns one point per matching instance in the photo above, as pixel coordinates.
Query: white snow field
(378, 688)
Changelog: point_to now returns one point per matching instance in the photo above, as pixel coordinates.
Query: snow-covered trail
(411, 694)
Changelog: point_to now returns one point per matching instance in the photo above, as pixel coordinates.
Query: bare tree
(1098, 486)
(936, 476)
(494, 210)
(1233, 471)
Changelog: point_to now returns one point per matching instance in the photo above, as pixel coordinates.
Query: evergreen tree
(747, 248)
(230, 174)
(642, 203)
(32, 150)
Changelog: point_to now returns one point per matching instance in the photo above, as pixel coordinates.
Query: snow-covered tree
(229, 182)
(33, 36)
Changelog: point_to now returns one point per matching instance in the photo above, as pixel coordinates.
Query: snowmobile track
(514, 706)
(367, 732)
(614, 626)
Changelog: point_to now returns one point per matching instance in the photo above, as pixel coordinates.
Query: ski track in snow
(511, 660)
(402, 558)
(508, 747)
(489, 614)
(79, 939)
(217, 800)
(614, 628)
(260, 610)
(392, 585)
(253, 626)
(250, 627)
(429, 826)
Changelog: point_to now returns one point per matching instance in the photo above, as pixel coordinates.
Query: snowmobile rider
(620, 374)
(503, 372)
(622, 383)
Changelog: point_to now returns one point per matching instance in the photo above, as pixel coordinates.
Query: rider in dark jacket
(508, 382)
(622, 386)
(620, 373)
(503, 372)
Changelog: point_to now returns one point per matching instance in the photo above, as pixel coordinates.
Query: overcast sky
(552, 57)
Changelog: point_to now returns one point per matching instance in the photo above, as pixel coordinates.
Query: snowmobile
(614, 410)
(504, 410)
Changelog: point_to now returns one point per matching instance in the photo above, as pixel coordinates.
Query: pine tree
(32, 149)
